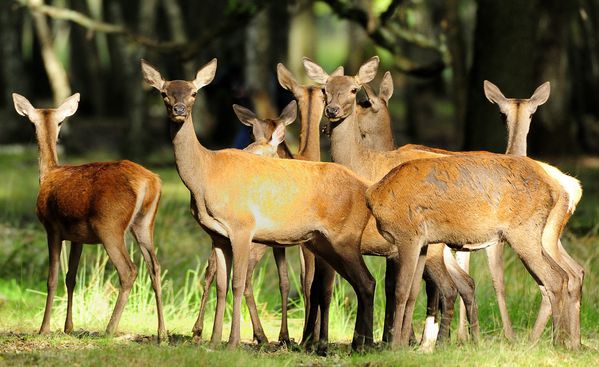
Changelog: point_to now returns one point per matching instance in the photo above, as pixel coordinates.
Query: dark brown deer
(92, 203)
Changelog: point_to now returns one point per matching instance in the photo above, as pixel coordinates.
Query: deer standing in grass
(517, 115)
(472, 201)
(269, 136)
(238, 197)
(349, 149)
(92, 203)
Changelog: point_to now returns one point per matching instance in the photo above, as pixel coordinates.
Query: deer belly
(79, 231)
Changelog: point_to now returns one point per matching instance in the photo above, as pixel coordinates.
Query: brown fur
(93, 203)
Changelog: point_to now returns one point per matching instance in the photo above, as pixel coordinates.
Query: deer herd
(410, 205)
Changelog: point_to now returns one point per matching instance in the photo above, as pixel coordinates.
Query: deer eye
(194, 94)
(354, 90)
(503, 116)
(163, 94)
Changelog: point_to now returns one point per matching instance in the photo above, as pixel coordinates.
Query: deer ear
(278, 136)
(152, 75)
(205, 75)
(541, 94)
(493, 93)
(289, 113)
(22, 105)
(68, 107)
(285, 78)
(338, 72)
(367, 71)
(314, 71)
(386, 88)
(244, 115)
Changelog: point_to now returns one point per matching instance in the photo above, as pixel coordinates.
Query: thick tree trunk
(504, 53)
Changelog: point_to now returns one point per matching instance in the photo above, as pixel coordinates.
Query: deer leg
(144, 236)
(326, 275)
(223, 271)
(74, 257)
(407, 331)
(463, 260)
(256, 252)
(431, 325)
(209, 274)
(117, 252)
(409, 256)
(279, 254)
(390, 277)
(240, 244)
(54, 247)
(308, 262)
(495, 260)
(465, 286)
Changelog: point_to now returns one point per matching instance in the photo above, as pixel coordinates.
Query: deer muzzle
(179, 109)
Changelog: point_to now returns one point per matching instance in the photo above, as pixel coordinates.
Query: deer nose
(179, 109)
(332, 111)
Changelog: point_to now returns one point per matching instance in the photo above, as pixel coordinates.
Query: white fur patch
(429, 335)
(569, 183)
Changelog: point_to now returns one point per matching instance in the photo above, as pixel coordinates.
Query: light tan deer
(92, 203)
(517, 115)
(348, 148)
(269, 136)
(238, 197)
(471, 201)
(374, 119)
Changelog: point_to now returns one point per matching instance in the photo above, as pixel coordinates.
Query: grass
(183, 249)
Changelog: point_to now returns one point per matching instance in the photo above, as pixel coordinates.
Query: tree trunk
(504, 53)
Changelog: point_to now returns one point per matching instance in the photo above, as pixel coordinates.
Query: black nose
(179, 109)
(332, 111)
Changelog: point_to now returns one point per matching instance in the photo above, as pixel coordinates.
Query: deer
(517, 115)
(93, 203)
(269, 137)
(472, 201)
(239, 198)
(348, 148)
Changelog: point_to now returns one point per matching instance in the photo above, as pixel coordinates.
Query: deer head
(268, 133)
(179, 95)
(517, 113)
(377, 102)
(340, 91)
(46, 121)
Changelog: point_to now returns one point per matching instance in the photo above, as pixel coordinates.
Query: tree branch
(388, 36)
(186, 50)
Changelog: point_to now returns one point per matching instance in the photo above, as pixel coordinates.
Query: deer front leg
(279, 254)
(240, 244)
(495, 260)
(209, 274)
(54, 247)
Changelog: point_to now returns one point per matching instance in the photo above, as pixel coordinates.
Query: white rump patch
(570, 184)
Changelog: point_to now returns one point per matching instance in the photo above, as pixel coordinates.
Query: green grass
(183, 249)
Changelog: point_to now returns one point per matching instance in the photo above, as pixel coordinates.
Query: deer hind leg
(240, 244)
(117, 252)
(224, 258)
(279, 254)
(143, 231)
(209, 274)
(407, 332)
(431, 326)
(71, 281)
(326, 275)
(495, 261)
(54, 248)
(548, 275)
(257, 251)
(466, 289)
(391, 269)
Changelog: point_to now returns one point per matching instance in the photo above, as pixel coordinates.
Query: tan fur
(471, 199)
(349, 148)
(93, 203)
(238, 198)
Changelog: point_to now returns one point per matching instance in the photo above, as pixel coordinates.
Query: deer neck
(311, 107)
(516, 144)
(346, 145)
(48, 158)
(191, 157)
